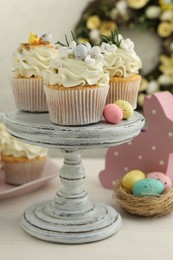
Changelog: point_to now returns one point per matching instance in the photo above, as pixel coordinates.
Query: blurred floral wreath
(102, 16)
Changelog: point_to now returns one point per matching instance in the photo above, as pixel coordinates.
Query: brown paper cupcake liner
(76, 107)
(23, 172)
(29, 94)
(125, 90)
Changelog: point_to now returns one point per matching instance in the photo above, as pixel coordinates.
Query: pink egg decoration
(167, 182)
(112, 113)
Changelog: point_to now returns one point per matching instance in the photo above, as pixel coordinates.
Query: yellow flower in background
(141, 98)
(82, 40)
(93, 22)
(171, 22)
(166, 4)
(166, 15)
(143, 85)
(165, 29)
(166, 65)
(107, 27)
(137, 4)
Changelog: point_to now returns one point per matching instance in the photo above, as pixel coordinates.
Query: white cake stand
(71, 217)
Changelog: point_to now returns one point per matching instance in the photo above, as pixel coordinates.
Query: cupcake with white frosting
(29, 62)
(123, 64)
(77, 85)
(22, 162)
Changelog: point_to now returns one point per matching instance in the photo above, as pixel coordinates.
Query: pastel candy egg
(46, 37)
(161, 177)
(147, 187)
(87, 45)
(112, 113)
(126, 108)
(80, 52)
(130, 178)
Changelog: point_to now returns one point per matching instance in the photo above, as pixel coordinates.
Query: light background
(17, 19)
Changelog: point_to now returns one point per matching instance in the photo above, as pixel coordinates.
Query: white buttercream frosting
(70, 72)
(10, 146)
(77, 65)
(120, 61)
(32, 60)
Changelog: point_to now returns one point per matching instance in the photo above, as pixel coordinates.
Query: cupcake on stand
(123, 64)
(29, 62)
(76, 85)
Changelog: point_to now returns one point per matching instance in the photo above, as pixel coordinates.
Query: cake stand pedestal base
(99, 223)
(71, 218)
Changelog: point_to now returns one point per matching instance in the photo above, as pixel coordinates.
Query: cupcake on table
(22, 162)
(76, 86)
(29, 62)
(123, 64)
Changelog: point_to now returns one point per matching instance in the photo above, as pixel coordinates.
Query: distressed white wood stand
(71, 217)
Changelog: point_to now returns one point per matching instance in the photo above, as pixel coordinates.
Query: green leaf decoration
(67, 41)
(113, 39)
(73, 36)
(60, 43)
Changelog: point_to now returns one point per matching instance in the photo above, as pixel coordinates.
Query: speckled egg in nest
(150, 206)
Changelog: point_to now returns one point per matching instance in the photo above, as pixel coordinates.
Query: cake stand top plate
(36, 129)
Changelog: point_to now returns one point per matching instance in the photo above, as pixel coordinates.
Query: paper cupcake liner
(76, 107)
(29, 94)
(126, 90)
(18, 173)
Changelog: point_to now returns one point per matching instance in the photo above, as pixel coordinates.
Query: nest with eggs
(151, 206)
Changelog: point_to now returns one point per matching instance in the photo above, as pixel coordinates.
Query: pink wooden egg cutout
(152, 150)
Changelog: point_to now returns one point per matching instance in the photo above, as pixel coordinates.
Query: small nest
(152, 206)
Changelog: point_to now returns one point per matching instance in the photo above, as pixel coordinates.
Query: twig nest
(149, 206)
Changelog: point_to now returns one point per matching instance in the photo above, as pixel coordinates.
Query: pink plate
(6, 190)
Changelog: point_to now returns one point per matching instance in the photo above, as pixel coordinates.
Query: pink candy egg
(161, 177)
(112, 113)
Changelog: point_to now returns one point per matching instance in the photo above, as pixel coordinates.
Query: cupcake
(29, 62)
(22, 162)
(122, 64)
(76, 86)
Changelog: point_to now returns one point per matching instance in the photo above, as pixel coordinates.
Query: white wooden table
(138, 239)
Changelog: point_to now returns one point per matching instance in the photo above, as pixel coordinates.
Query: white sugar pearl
(95, 51)
(80, 52)
(89, 60)
(72, 45)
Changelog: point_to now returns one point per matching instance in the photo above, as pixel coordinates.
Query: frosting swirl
(10, 146)
(32, 60)
(120, 61)
(70, 72)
